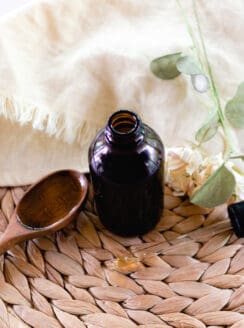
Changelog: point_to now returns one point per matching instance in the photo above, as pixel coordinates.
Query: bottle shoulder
(151, 141)
(126, 163)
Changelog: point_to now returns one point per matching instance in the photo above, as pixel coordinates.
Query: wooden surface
(49, 205)
(188, 272)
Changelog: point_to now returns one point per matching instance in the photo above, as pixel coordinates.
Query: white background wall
(9, 5)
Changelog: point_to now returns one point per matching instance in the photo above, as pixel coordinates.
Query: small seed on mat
(125, 264)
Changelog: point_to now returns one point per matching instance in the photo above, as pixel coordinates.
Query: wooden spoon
(47, 206)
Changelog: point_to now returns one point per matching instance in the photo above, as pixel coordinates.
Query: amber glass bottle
(126, 164)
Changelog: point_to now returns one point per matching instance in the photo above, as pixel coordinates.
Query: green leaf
(234, 109)
(208, 130)
(237, 157)
(216, 190)
(165, 67)
(200, 82)
(188, 66)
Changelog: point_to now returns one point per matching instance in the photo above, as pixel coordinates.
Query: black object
(236, 214)
(126, 164)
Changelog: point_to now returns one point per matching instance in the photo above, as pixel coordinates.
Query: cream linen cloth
(66, 65)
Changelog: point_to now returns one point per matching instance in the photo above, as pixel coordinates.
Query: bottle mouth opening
(124, 122)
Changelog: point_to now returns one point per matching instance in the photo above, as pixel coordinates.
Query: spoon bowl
(47, 206)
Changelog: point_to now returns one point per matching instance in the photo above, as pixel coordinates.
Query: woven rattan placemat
(187, 273)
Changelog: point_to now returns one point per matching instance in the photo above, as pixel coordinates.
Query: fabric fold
(65, 66)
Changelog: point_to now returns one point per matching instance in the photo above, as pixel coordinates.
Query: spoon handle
(5, 243)
(13, 234)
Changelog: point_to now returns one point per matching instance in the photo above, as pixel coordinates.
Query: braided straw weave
(187, 273)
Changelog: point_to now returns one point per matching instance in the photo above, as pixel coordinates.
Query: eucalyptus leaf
(188, 66)
(165, 67)
(208, 130)
(216, 190)
(237, 157)
(234, 109)
(200, 82)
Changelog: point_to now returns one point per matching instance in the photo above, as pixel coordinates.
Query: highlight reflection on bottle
(126, 162)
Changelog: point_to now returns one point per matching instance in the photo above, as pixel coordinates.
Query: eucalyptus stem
(214, 92)
(191, 33)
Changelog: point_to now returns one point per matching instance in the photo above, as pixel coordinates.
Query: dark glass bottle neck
(124, 128)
